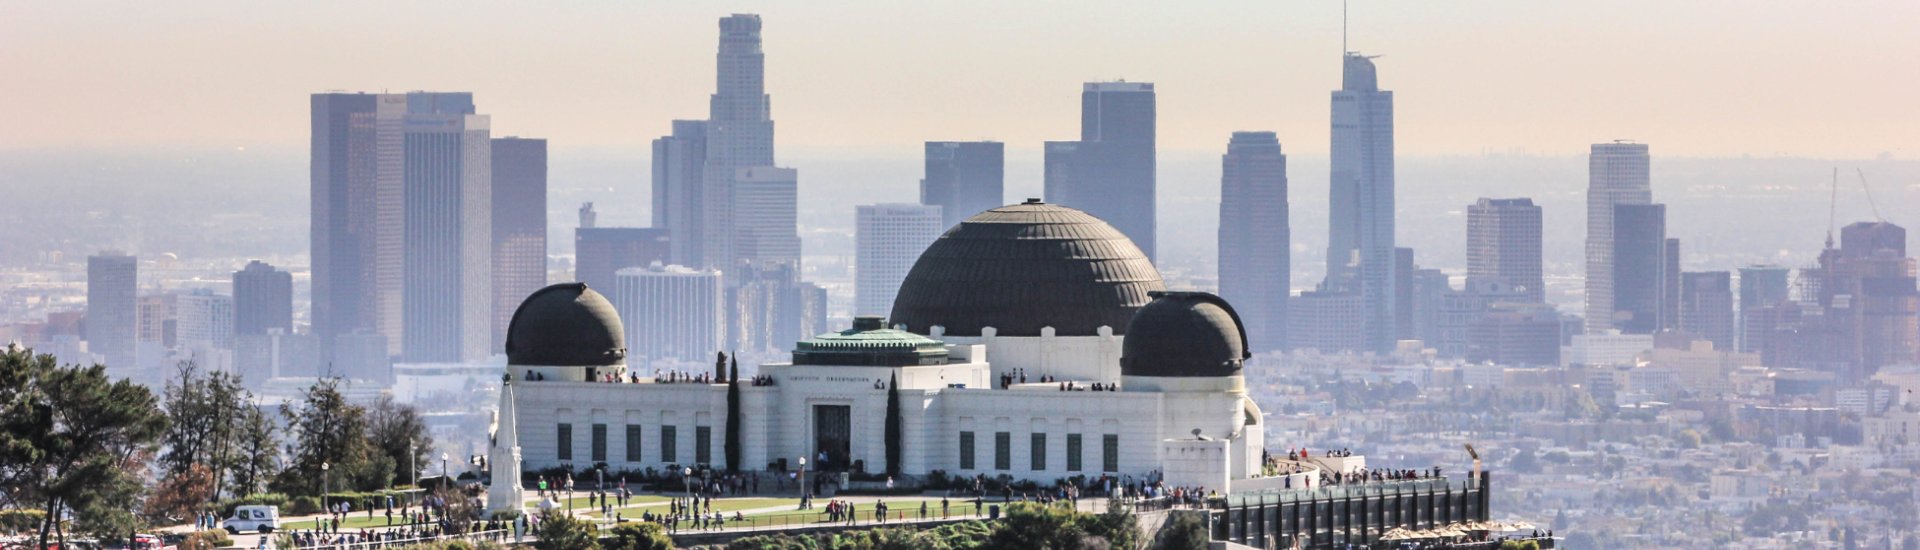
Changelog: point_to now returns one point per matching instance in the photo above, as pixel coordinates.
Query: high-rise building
(746, 200)
(204, 321)
(679, 165)
(601, 252)
(344, 195)
(1109, 173)
(157, 319)
(262, 299)
(447, 267)
(1763, 289)
(1867, 305)
(1255, 237)
(671, 313)
(112, 279)
(1430, 289)
(1360, 239)
(519, 227)
(772, 308)
(963, 178)
(1324, 321)
(1670, 287)
(1706, 307)
(888, 238)
(1639, 259)
(1513, 333)
(1617, 173)
(1503, 244)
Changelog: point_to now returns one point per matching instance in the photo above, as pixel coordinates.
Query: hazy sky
(1813, 78)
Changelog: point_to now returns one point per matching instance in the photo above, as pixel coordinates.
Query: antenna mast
(1343, 28)
(1833, 197)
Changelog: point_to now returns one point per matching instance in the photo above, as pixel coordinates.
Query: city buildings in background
(1255, 237)
(673, 315)
(888, 238)
(1617, 173)
(262, 299)
(519, 227)
(601, 252)
(1504, 244)
(1110, 171)
(113, 280)
(963, 178)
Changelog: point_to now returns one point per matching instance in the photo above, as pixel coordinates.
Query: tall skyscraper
(679, 162)
(1706, 307)
(519, 227)
(1638, 255)
(447, 294)
(744, 230)
(963, 178)
(1670, 286)
(1762, 290)
(1110, 172)
(262, 299)
(1503, 244)
(204, 321)
(1869, 306)
(1617, 173)
(1255, 237)
(888, 239)
(670, 312)
(1360, 238)
(601, 252)
(112, 280)
(344, 213)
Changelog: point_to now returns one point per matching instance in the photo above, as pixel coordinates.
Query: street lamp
(323, 485)
(413, 462)
(443, 469)
(803, 483)
(686, 480)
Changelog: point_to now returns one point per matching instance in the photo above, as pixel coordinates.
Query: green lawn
(583, 502)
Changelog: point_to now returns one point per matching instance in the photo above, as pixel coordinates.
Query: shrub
(639, 536)
(301, 506)
(206, 540)
(558, 532)
(14, 521)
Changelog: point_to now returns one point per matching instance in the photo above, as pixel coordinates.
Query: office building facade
(963, 178)
(679, 165)
(601, 252)
(672, 313)
(1256, 237)
(519, 226)
(262, 299)
(112, 281)
(1706, 307)
(447, 293)
(1503, 244)
(888, 238)
(1109, 173)
(1360, 235)
(1617, 173)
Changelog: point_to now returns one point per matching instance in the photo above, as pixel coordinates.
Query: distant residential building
(1110, 172)
(601, 252)
(963, 178)
(888, 238)
(1255, 238)
(112, 280)
(671, 313)
(679, 180)
(262, 299)
(1617, 173)
(1639, 257)
(447, 266)
(519, 227)
(1503, 243)
(1706, 307)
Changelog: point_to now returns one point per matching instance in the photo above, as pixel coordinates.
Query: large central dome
(1022, 267)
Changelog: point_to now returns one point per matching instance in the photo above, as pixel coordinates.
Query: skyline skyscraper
(888, 238)
(1617, 173)
(599, 253)
(1706, 307)
(1360, 234)
(1639, 254)
(447, 293)
(1763, 290)
(1110, 172)
(1255, 237)
(113, 279)
(963, 178)
(744, 229)
(262, 299)
(344, 207)
(679, 162)
(670, 312)
(1503, 244)
(519, 226)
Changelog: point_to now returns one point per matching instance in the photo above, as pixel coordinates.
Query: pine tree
(733, 418)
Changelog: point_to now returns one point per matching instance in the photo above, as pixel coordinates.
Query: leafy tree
(639, 536)
(559, 532)
(180, 495)
(203, 412)
(732, 443)
(258, 456)
(74, 440)
(893, 426)
(399, 434)
(1031, 525)
(328, 430)
(1117, 525)
(1183, 532)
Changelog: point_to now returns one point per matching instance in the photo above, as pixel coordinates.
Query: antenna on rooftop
(1343, 28)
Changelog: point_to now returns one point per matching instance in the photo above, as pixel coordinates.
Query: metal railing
(344, 541)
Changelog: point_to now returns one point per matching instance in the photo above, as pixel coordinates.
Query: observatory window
(633, 443)
(564, 443)
(966, 450)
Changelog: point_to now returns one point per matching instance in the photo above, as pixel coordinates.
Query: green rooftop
(870, 343)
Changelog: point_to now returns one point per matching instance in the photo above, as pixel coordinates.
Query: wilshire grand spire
(1360, 242)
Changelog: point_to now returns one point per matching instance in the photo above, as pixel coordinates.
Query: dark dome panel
(1021, 267)
(566, 325)
(1184, 334)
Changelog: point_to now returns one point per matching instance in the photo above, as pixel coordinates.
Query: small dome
(1184, 334)
(566, 325)
(1022, 267)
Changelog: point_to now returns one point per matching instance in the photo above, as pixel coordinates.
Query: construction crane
(1869, 191)
(1476, 460)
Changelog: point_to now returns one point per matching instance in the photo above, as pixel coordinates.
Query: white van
(253, 519)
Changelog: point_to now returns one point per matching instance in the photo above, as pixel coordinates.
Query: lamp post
(803, 483)
(323, 486)
(443, 469)
(413, 461)
(686, 480)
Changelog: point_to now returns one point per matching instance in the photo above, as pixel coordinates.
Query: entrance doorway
(832, 436)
